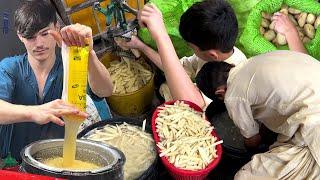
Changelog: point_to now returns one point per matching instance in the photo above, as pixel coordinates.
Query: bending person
(280, 90)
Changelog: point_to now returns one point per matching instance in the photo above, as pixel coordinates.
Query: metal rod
(133, 11)
(81, 6)
(98, 25)
(61, 10)
(99, 35)
(97, 21)
(102, 51)
(138, 5)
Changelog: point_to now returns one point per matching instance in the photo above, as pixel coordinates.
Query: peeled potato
(311, 18)
(302, 19)
(309, 30)
(275, 42)
(294, 11)
(292, 19)
(306, 40)
(317, 22)
(262, 30)
(301, 35)
(270, 35)
(272, 24)
(265, 23)
(284, 11)
(281, 39)
(266, 15)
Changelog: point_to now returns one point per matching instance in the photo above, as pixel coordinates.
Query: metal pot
(109, 158)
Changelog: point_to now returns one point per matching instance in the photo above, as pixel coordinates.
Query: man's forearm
(152, 55)
(99, 77)
(11, 113)
(180, 84)
(294, 42)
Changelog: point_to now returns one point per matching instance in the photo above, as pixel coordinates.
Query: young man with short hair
(31, 84)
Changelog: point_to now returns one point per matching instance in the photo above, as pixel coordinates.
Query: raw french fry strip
(185, 137)
(128, 75)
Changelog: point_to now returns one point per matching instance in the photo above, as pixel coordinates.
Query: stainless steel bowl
(109, 158)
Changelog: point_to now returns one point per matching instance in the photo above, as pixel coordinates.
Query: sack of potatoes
(259, 36)
(306, 25)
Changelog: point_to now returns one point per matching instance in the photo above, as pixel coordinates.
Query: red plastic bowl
(178, 173)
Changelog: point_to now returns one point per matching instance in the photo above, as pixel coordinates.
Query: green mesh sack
(254, 43)
(171, 12)
(242, 10)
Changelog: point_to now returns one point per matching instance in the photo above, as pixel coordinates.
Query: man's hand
(283, 25)
(151, 17)
(52, 111)
(134, 43)
(74, 35)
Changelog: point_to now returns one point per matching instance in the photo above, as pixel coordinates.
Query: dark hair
(210, 24)
(32, 16)
(210, 77)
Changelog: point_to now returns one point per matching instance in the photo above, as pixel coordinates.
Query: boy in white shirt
(280, 90)
(210, 28)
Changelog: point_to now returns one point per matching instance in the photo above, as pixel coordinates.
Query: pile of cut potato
(137, 145)
(185, 137)
(129, 75)
(306, 24)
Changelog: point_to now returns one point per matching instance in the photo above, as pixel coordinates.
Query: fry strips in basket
(185, 137)
(128, 75)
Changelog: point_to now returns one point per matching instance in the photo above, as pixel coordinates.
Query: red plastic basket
(178, 173)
